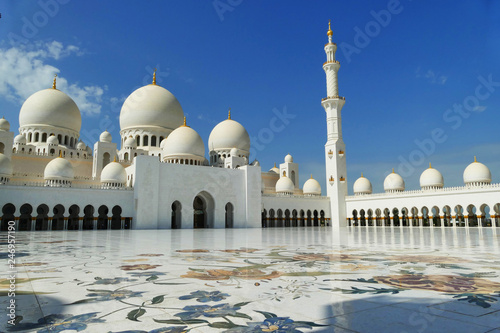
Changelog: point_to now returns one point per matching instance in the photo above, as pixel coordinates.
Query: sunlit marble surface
(256, 280)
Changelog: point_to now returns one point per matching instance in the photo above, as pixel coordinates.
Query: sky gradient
(421, 78)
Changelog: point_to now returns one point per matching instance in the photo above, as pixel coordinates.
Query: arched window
(106, 158)
(145, 140)
(44, 137)
(153, 141)
(37, 135)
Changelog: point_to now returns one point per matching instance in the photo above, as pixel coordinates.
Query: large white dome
(59, 169)
(50, 107)
(284, 185)
(151, 106)
(114, 172)
(477, 173)
(431, 178)
(362, 186)
(184, 141)
(312, 186)
(394, 182)
(5, 166)
(229, 134)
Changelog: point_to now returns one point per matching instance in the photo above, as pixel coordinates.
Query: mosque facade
(160, 175)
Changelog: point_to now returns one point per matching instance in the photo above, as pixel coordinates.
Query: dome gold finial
(430, 165)
(54, 83)
(184, 125)
(393, 170)
(114, 160)
(229, 114)
(154, 77)
(275, 164)
(362, 175)
(330, 32)
(60, 151)
(475, 159)
(311, 176)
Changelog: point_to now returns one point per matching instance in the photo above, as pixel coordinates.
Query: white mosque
(164, 177)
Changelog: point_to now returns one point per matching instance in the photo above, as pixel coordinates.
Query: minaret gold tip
(154, 77)
(54, 83)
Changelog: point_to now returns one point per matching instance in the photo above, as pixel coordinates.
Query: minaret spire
(329, 33)
(54, 83)
(229, 114)
(154, 77)
(336, 169)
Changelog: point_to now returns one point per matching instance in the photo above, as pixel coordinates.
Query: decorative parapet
(295, 196)
(75, 186)
(428, 191)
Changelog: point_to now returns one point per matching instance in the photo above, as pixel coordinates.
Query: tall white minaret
(336, 170)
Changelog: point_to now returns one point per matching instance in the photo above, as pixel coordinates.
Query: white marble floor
(255, 280)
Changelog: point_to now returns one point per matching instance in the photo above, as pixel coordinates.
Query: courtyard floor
(362, 279)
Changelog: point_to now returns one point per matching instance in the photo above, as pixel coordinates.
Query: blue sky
(408, 75)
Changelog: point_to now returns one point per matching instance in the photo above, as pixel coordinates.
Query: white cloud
(24, 70)
(479, 108)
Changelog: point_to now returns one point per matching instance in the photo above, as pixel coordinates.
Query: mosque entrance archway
(203, 211)
(229, 215)
(176, 216)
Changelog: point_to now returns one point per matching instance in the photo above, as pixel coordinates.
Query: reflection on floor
(257, 280)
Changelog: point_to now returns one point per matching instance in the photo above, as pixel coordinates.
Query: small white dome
(114, 172)
(89, 150)
(255, 163)
(20, 139)
(184, 141)
(5, 166)
(312, 186)
(162, 143)
(288, 159)
(81, 146)
(105, 137)
(59, 169)
(275, 169)
(362, 186)
(284, 185)
(52, 140)
(229, 134)
(431, 178)
(4, 125)
(394, 182)
(130, 143)
(151, 106)
(233, 152)
(50, 107)
(477, 173)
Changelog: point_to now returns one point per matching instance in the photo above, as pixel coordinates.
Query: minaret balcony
(331, 62)
(333, 97)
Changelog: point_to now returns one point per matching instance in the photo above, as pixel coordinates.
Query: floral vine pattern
(225, 290)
